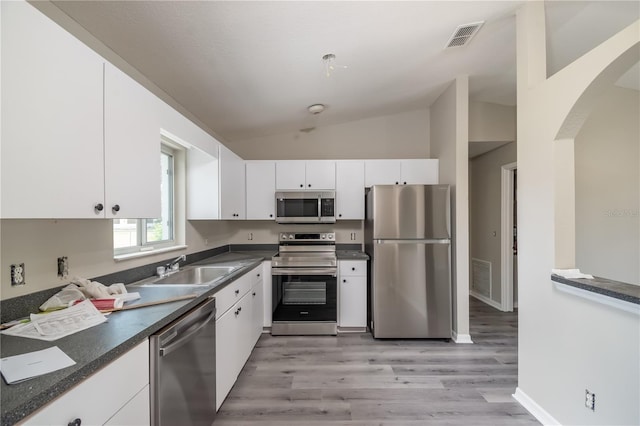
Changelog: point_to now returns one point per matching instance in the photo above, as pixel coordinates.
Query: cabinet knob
(309, 185)
(344, 281)
(237, 312)
(301, 186)
(98, 207)
(353, 269)
(76, 422)
(237, 292)
(405, 183)
(340, 215)
(254, 293)
(116, 208)
(258, 274)
(239, 308)
(270, 215)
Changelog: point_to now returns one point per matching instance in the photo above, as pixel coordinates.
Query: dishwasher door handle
(183, 339)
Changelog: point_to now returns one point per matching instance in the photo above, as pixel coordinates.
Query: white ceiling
(250, 68)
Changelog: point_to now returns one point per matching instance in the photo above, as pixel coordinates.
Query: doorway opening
(509, 243)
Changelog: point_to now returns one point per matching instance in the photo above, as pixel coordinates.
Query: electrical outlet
(17, 274)
(590, 400)
(63, 267)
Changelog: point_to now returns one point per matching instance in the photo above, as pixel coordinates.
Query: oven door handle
(305, 271)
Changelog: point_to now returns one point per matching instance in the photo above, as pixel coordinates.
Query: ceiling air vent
(463, 34)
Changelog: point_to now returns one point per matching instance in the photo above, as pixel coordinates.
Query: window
(139, 235)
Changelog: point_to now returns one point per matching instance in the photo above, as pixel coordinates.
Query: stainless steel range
(304, 276)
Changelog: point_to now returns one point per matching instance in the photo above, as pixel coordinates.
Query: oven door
(304, 296)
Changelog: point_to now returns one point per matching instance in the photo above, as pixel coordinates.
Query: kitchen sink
(198, 276)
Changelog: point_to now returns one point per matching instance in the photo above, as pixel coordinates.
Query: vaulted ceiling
(251, 68)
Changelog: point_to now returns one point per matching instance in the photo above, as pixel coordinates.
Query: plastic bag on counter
(96, 290)
(80, 289)
(63, 299)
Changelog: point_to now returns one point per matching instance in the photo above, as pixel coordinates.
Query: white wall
(566, 344)
(403, 135)
(489, 122)
(607, 188)
(89, 246)
(485, 187)
(450, 144)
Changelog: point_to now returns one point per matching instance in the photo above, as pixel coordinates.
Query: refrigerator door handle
(414, 241)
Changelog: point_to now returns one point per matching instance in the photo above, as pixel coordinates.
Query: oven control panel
(308, 236)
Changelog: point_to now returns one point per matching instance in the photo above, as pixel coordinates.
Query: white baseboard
(486, 300)
(460, 338)
(536, 411)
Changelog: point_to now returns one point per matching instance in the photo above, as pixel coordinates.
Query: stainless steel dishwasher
(183, 369)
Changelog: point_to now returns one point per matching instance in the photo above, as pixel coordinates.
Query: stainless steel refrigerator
(407, 236)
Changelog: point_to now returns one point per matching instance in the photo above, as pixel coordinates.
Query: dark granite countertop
(351, 255)
(616, 289)
(95, 347)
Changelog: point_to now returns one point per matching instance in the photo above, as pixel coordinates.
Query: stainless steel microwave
(305, 207)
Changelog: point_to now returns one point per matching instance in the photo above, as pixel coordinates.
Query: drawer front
(353, 268)
(231, 294)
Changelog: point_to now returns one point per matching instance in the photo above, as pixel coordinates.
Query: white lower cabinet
(236, 329)
(114, 395)
(135, 412)
(352, 300)
(257, 312)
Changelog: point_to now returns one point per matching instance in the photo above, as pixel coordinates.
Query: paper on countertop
(32, 364)
(57, 324)
(571, 273)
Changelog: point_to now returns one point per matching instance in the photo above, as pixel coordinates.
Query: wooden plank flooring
(353, 379)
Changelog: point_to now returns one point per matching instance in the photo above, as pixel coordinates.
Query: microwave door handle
(319, 208)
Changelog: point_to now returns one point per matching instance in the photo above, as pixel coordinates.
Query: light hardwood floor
(356, 380)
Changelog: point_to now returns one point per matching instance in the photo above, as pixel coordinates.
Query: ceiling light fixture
(315, 108)
(330, 64)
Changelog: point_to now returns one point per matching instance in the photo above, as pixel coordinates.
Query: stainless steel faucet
(171, 265)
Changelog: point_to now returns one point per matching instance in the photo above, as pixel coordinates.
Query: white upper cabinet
(350, 190)
(381, 172)
(80, 139)
(232, 185)
(131, 148)
(401, 172)
(202, 185)
(52, 142)
(311, 175)
(321, 174)
(419, 171)
(261, 187)
(290, 175)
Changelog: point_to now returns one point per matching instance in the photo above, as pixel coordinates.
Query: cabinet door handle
(76, 422)
(237, 292)
(116, 208)
(98, 207)
(237, 312)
